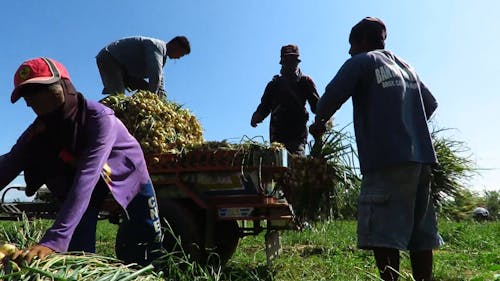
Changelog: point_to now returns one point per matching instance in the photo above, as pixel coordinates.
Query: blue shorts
(395, 209)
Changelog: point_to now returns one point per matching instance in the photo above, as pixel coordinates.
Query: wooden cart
(210, 199)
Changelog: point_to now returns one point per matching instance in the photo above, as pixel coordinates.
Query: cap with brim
(289, 50)
(37, 71)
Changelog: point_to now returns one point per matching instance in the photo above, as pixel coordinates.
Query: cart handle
(20, 188)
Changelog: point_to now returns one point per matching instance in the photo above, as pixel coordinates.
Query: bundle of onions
(159, 125)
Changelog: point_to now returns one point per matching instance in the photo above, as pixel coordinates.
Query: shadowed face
(43, 99)
(356, 48)
(175, 51)
(289, 63)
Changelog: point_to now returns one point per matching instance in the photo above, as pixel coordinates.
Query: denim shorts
(395, 209)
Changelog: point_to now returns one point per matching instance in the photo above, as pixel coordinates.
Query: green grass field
(328, 252)
(472, 252)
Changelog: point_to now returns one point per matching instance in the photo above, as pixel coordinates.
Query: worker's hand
(39, 251)
(256, 119)
(317, 129)
(7, 250)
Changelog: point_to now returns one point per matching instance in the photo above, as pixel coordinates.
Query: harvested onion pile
(159, 125)
(77, 267)
(220, 154)
(71, 266)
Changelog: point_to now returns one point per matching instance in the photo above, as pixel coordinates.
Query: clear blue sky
(235, 52)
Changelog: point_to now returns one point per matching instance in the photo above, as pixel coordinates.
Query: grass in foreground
(328, 252)
(472, 252)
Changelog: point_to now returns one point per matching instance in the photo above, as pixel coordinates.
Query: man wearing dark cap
(391, 110)
(285, 99)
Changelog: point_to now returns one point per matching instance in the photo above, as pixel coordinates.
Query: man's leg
(296, 147)
(425, 235)
(84, 237)
(139, 237)
(135, 83)
(112, 75)
(387, 261)
(421, 265)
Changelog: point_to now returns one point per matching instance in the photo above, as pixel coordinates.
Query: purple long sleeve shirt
(109, 151)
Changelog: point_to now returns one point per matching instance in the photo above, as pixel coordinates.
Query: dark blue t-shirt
(391, 109)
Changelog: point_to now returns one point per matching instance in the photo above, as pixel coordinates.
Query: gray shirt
(391, 108)
(141, 57)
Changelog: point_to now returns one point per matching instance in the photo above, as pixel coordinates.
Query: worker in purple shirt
(136, 63)
(82, 153)
(391, 109)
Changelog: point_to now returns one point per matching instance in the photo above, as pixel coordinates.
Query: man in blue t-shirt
(391, 110)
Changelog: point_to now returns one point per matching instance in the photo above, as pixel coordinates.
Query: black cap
(370, 28)
(289, 50)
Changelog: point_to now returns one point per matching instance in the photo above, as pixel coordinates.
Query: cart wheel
(227, 235)
(184, 225)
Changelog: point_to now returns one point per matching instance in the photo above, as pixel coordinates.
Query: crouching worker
(81, 152)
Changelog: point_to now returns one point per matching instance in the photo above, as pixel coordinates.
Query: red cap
(37, 71)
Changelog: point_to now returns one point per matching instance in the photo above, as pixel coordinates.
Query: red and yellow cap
(37, 71)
